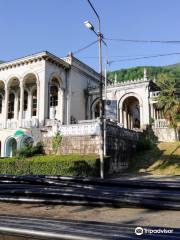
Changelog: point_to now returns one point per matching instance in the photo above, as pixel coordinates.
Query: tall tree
(169, 97)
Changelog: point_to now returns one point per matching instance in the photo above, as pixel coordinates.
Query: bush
(144, 143)
(56, 141)
(29, 150)
(65, 165)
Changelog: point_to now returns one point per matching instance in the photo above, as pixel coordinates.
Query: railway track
(37, 228)
(87, 191)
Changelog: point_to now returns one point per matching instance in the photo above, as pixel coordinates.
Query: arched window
(53, 96)
(25, 100)
(34, 103)
(11, 106)
(1, 99)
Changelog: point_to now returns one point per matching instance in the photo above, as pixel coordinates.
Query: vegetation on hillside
(163, 159)
(137, 72)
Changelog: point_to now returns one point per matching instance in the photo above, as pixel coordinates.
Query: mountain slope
(137, 72)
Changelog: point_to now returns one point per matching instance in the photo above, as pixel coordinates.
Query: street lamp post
(101, 114)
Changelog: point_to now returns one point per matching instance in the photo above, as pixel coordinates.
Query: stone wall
(166, 134)
(74, 144)
(121, 144)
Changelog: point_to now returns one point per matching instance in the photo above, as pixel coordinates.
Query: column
(124, 119)
(152, 110)
(21, 104)
(38, 100)
(16, 107)
(154, 113)
(30, 104)
(141, 116)
(6, 106)
(120, 115)
(62, 106)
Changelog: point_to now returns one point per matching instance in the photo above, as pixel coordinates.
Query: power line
(85, 47)
(145, 57)
(143, 41)
(113, 56)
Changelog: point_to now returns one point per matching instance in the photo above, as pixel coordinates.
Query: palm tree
(169, 98)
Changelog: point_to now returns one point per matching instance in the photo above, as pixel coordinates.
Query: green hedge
(65, 165)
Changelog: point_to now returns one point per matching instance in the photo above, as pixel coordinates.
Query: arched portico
(31, 96)
(56, 98)
(130, 111)
(10, 147)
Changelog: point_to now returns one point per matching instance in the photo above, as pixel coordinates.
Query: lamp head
(89, 25)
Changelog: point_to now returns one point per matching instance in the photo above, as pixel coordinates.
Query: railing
(80, 129)
(34, 122)
(91, 127)
(160, 123)
(13, 124)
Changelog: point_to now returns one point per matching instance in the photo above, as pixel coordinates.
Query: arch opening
(95, 109)
(131, 113)
(55, 99)
(30, 96)
(13, 95)
(11, 147)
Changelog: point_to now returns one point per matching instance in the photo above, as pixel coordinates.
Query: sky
(28, 27)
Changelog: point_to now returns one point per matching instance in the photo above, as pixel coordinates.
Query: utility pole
(101, 113)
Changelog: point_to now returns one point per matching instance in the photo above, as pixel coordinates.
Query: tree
(56, 141)
(169, 97)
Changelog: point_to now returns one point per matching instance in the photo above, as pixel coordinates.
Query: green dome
(18, 133)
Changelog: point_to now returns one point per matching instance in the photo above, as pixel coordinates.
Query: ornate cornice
(34, 58)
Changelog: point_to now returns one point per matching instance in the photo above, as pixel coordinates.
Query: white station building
(42, 89)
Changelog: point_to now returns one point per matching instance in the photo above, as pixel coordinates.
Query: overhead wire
(85, 47)
(143, 41)
(145, 57)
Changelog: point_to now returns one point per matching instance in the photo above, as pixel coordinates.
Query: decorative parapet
(120, 132)
(80, 129)
(160, 123)
(139, 80)
(123, 83)
(93, 128)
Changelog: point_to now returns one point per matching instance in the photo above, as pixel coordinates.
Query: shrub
(29, 150)
(64, 165)
(56, 141)
(144, 143)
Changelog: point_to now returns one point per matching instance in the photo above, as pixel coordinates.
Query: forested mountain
(137, 72)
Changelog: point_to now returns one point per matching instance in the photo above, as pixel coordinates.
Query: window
(53, 96)
(34, 103)
(11, 106)
(25, 100)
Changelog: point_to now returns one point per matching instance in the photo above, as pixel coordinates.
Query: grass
(162, 159)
